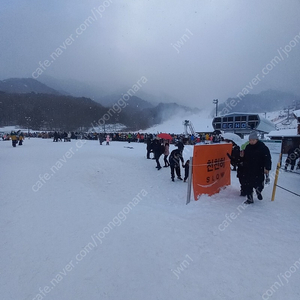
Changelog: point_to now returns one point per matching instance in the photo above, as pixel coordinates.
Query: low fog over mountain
(25, 98)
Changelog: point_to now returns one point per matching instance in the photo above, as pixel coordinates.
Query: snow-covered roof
(297, 113)
(243, 123)
(283, 132)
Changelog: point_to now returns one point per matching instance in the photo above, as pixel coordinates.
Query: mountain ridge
(25, 85)
(135, 112)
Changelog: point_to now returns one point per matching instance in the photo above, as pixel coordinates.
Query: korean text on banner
(211, 168)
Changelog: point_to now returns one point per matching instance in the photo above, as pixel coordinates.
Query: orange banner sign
(211, 168)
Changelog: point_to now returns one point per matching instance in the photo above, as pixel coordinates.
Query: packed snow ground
(84, 221)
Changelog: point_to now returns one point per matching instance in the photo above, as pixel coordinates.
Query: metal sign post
(189, 187)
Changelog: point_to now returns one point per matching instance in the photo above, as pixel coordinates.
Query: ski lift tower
(188, 125)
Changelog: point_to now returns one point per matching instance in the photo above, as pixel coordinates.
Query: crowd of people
(173, 160)
(252, 161)
(188, 139)
(16, 137)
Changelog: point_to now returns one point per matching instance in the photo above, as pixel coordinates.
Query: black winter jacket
(175, 157)
(256, 158)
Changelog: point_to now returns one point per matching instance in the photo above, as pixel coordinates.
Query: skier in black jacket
(149, 147)
(291, 159)
(158, 150)
(174, 160)
(257, 162)
(239, 163)
(235, 155)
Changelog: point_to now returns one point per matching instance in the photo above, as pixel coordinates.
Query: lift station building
(242, 123)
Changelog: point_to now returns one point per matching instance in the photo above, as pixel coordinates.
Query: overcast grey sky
(195, 51)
